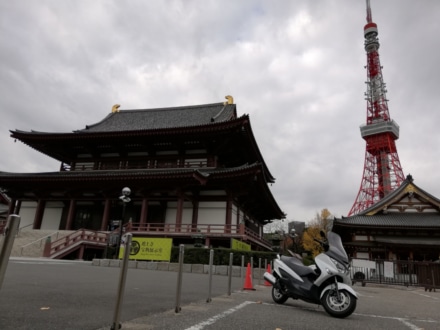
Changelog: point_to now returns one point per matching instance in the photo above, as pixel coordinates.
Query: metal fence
(397, 272)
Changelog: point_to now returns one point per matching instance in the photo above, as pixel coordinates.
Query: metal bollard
(211, 261)
(179, 278)
(242, 267)
(122, 278)
(231, 257)
(10, 232)
(259, 271)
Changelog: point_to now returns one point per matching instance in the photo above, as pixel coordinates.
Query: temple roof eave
(41, 141)
(249, 175)
(391, 221)
(406, 187)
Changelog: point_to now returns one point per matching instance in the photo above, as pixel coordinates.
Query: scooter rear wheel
(339, 306)
(278, 294)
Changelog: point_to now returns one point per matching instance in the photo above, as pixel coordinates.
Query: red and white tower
(382, 170)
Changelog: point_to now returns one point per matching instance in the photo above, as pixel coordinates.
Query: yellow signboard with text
(239, 245)
(148, 248)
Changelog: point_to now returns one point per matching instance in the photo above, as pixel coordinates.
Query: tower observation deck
(382, 170)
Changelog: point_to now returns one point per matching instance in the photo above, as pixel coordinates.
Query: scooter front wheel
(278, 293)
(339, 305)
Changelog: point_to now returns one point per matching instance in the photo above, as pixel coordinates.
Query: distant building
(404, 225)
(299, 227)
(192, 170)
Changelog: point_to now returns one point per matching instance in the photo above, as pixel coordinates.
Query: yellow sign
(147, 248)
(239, 245)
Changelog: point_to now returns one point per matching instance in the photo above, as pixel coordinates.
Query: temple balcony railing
(207, 230)
(67, 244)
(132, 165)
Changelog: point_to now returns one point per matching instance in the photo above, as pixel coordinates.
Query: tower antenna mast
(382, 170)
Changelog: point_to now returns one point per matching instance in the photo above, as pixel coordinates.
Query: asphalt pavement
(379, 307)
(51, 295)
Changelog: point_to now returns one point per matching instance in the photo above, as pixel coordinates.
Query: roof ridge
(173, 108)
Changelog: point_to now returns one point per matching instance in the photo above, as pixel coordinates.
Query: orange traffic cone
(248, 280)
(267, 283)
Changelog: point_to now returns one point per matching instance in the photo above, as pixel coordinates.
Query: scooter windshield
(336, 249)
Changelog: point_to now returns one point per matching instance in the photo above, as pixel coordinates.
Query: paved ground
(378, 308)
(38, 294)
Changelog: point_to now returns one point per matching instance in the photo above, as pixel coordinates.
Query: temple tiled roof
(396, 194)
(146, 119)
(391, 220)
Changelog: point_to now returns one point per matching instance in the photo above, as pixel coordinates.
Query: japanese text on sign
(239, 245)
(149, 249)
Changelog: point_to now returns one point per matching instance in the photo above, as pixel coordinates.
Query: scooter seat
(297, 266)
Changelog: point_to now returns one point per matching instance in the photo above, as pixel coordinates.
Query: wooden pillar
(70, 215)
(228, 215)
(47, 247)
(144, 212)
(195, 215)
(106, 214)
(242, 228)
(238, 219)
(179, 212)
(39, 212)
(81, 252)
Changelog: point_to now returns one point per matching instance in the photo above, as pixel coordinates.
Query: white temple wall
(212, 213)
(171, 212)
(52, 215)
(27, 214)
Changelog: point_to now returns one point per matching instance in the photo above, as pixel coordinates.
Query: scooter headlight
(340, 267)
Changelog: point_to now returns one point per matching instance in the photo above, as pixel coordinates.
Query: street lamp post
(124, 199)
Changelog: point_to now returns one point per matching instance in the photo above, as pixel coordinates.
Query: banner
(147, 248)
(239, 245)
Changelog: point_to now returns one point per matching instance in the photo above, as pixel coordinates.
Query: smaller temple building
(404, 225)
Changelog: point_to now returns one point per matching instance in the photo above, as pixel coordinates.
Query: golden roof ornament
(115, 108)
(230, 100)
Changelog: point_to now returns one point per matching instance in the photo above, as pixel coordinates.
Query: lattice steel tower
(382, 170)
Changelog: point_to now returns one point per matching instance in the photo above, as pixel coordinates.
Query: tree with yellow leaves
(322, 222)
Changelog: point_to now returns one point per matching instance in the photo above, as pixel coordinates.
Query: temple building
(404, 225)
(193, 171)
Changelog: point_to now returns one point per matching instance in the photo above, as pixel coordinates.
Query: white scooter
(327, 283)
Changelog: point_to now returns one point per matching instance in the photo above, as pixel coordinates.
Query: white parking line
(217, 317)
(424, 295)
(400, 319)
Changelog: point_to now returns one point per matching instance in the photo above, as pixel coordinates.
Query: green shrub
(221, 256)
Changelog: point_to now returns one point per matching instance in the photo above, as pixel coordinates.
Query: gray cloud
(297, 67)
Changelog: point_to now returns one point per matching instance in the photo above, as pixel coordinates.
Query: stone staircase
(30, 242)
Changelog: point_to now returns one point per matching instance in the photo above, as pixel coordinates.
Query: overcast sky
(296, 67)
